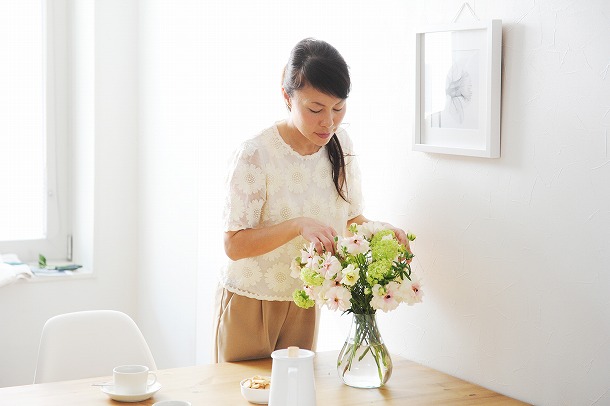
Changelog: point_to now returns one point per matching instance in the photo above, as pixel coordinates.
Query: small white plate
(152, 389)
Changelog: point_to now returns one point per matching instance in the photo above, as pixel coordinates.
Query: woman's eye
(315, 111)
(338, 109)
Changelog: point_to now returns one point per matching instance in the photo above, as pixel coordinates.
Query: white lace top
(269, 183)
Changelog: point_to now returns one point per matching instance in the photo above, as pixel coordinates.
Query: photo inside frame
(453, 91)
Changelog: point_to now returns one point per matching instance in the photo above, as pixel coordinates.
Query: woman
(294, 183)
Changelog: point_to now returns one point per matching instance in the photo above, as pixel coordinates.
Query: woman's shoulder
(257, 143)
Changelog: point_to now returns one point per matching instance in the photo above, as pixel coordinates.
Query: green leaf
(42, 261)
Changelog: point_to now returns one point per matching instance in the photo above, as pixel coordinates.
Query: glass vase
(364, 360)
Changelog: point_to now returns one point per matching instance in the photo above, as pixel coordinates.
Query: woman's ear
(286, 99)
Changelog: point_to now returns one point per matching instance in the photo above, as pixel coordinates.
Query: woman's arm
(252, 242)
(359, 219)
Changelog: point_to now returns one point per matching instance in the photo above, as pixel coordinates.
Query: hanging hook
(466, 4)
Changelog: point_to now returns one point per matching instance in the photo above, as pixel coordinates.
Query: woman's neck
(297, 141)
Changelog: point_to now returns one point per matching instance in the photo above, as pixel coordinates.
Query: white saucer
(152, 389)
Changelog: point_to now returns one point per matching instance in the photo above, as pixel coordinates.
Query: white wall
(515, 251)
(170, 124)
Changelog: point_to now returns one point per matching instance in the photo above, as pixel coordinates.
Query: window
(33, 167)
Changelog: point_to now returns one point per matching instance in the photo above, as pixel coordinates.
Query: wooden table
(218, 384)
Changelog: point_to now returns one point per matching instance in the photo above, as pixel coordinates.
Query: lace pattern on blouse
(269, 183)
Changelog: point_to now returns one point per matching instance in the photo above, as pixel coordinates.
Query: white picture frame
(458, 89)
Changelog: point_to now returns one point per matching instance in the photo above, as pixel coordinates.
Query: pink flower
(310, 291)
(372, 227)
(330, 266)
(355, 244)
(386, 297)
(308, 254)
(317, 293)
(331, 283)
(410, 291)
(338, 298)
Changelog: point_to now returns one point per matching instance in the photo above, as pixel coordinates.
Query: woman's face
(315, 114)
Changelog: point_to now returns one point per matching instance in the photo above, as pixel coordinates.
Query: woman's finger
(329, 245)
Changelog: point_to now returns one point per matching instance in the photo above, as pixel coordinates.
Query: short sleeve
(245, 189)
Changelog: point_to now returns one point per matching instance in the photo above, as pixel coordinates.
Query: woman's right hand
(320, 234)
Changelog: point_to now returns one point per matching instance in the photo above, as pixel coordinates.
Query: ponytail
(337, 162)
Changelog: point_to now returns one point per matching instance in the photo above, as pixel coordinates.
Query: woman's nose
(327, 121)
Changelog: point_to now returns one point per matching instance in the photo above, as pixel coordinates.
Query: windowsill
(62, 276)
(13, 271)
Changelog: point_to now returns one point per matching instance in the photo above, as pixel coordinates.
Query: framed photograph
(458, 89)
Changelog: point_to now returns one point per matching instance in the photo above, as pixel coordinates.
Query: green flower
(301, 299)
(377, 270)
(380, 234)
(411, 236)
(311, 277)
(385, 249)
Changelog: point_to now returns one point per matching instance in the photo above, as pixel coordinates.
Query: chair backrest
(88, 344)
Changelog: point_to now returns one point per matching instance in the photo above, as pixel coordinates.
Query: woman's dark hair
(320, 65)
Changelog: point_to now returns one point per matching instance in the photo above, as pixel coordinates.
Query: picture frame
(458, 89)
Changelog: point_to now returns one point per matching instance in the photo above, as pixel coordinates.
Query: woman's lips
(323, 135)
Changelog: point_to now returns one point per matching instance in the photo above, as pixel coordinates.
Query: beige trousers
(248, 328)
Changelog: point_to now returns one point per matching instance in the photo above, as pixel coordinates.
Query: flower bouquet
(370, 271)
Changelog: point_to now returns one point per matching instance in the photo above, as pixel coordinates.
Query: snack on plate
(258, 382)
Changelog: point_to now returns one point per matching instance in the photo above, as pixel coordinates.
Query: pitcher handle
(292, 386)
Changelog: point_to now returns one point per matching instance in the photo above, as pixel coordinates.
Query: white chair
(88, 344)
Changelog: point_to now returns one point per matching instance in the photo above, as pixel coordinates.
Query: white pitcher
(292, 379)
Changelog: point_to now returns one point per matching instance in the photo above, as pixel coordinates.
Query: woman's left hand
(400, 235)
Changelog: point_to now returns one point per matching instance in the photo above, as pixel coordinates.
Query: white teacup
(132, 379)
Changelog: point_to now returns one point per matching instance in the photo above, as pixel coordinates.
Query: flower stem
(365, 340)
